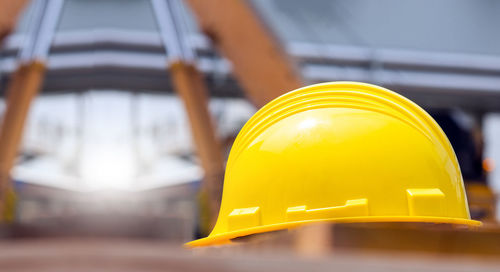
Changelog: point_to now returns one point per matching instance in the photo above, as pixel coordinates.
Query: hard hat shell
(338, 152)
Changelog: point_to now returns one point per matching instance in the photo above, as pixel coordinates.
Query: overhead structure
(188, 81)
(453, 69)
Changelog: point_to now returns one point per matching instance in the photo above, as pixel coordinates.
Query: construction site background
(118, 117)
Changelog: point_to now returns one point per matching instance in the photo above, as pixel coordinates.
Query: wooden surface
(412, 238)
(136, 255)
(259, 63)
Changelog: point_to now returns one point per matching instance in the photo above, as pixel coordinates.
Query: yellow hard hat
(338, 152)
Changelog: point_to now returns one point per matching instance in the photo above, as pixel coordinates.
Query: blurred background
(118, 115)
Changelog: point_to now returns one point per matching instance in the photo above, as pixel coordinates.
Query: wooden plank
(24, 85)
(190, 86)
(259, 63)
(415, 238)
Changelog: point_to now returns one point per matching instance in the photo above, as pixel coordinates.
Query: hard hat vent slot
(244, 218)
(426, 202)
(352, 208)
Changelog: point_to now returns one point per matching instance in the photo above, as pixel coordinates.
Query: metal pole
(170, 32)
(35, 22)
(47, 30)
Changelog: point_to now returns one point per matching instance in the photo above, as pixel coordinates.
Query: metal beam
(259, 63)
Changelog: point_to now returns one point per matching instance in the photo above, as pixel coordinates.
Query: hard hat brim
(225, 238)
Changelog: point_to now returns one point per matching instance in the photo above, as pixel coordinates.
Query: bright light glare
(108, 169)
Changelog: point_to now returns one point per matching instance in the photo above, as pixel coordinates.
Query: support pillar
(190, 86)
(24, 85)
